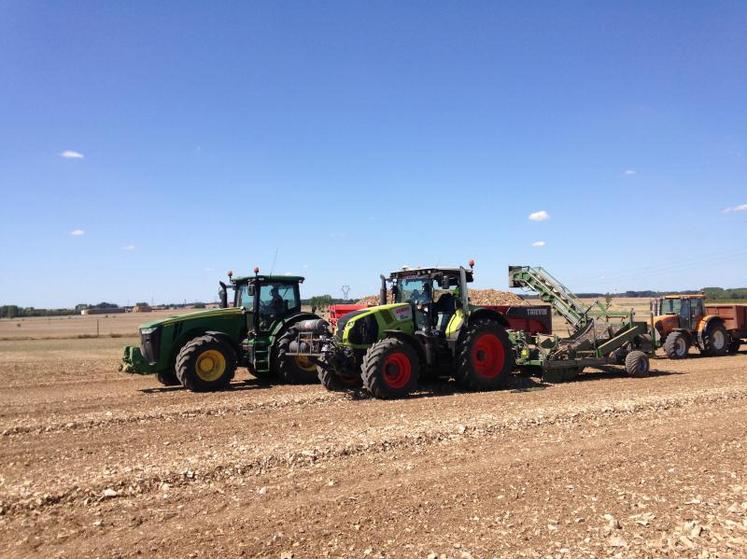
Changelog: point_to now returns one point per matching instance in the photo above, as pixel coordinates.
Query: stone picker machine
(598, 337)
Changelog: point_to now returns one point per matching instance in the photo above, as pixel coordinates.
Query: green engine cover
(360, 329)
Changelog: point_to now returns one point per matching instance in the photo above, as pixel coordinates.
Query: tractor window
(413, 290)
(244, 298)
(277, 300)
(670, 306)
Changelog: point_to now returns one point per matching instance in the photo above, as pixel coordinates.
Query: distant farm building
(142, 308)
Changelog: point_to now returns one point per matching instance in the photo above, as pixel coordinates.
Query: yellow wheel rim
(211, 365)
(303, 362)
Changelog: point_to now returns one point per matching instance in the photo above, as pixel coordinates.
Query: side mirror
(223, 294)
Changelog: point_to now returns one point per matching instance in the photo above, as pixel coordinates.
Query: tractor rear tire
(484, 358)
(205, 364)
(168, 378)
(716, 340)
(676, 345)
(390, 369)
(293, 369)
(734, 346)
(637, 364)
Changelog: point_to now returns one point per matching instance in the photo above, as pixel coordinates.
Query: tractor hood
(362, 327)
(194, 316)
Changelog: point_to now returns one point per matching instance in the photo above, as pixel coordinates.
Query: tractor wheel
(293, 369)
(676, 345)
(390, 368)
(734, 346)
(637, 364)
(484, 358)
(716, 340)
(334, 382)
(205, 363)
(167, 378)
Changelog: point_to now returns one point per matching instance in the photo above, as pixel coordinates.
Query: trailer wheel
(485, 357)
(676, 345)
(716, 340)
(734, 346)
(167, 378)
(293, 369)
(637, 364)
(390, 369)
(205, 363)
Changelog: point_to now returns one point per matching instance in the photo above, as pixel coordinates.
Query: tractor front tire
(292, 369)
(637, 364)
(335, 383)
(676, 345)
(716, 340)
(205, 363)
(390, 369)
(167, 378)
(485, 357)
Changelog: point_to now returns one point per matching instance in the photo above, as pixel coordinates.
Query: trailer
(598, 336)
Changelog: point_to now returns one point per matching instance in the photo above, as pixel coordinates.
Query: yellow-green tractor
(429, 329)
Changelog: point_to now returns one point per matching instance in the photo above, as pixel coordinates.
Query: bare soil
(95, 463)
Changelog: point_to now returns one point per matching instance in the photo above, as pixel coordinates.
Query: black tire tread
(633, 364)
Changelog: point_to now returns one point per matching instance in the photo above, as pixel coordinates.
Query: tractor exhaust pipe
(382, 291)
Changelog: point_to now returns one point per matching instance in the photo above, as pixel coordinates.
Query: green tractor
(202, 350)
(429, 329)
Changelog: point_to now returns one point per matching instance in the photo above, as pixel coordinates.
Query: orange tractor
(682, 321)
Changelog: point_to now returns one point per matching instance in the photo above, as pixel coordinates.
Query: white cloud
(128, 247)
(630, 172)
(740, 208)
(77, 232)
(71, 154)
(538, 244)
(541, 215)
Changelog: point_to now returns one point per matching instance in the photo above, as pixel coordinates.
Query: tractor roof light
(471, 263)
(230, 273)
(256, 270)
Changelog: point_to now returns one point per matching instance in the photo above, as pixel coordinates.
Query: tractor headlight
(150, 344)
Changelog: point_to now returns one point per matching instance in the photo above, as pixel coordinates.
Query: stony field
(95, 463)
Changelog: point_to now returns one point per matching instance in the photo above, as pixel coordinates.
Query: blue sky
(345, 139)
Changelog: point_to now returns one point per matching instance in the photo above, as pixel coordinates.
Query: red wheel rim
(397, 370)
(488, 356)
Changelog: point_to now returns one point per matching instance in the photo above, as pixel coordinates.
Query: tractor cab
(268, 299)
(678, 311)
(435, 293)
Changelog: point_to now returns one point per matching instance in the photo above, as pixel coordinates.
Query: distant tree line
(324, 301)
(720, 294)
